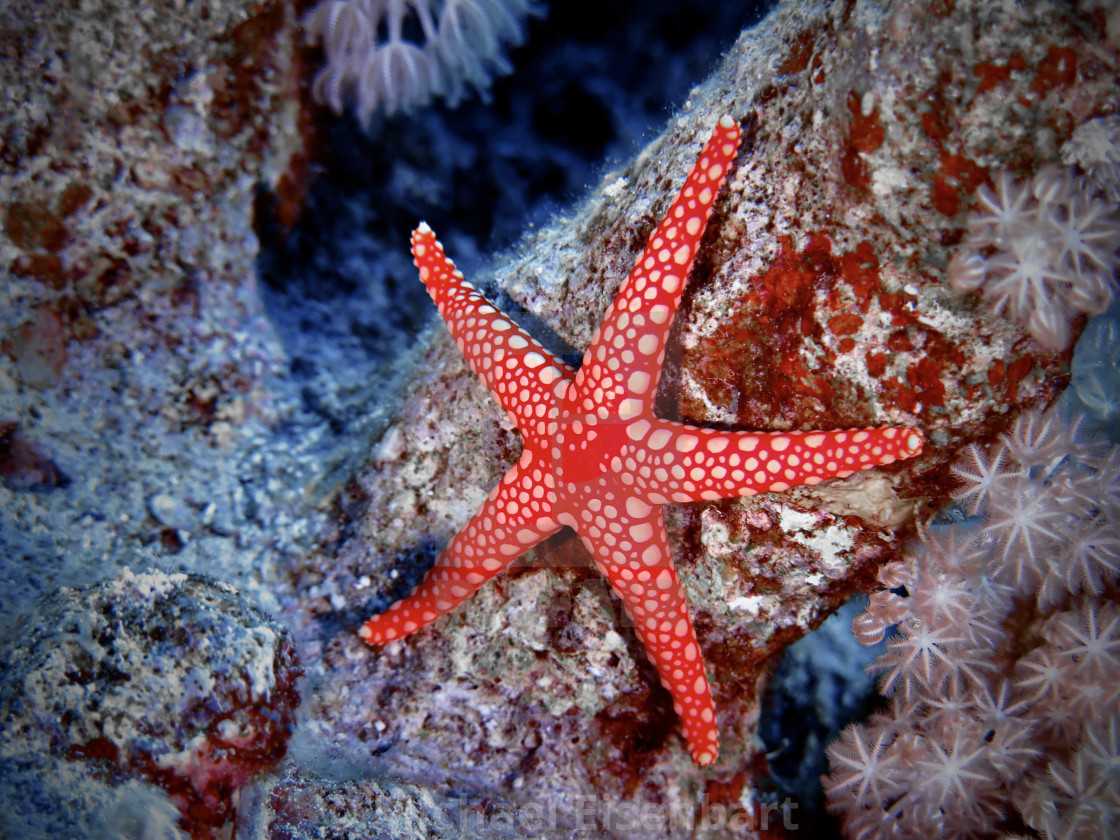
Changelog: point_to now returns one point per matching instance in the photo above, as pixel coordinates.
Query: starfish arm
(632, 335)
(512, 520)
(643, 577)
(682, 463)
(519, 372)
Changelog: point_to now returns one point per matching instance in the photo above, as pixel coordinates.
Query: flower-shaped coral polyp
(979, 474)
(597, 459)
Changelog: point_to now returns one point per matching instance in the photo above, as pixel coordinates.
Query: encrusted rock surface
(301, 805)
(134, 352)
(168, 678)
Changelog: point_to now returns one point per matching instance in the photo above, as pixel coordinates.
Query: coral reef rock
(171, 679)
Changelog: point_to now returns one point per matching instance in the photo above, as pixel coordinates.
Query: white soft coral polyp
(397, 55)
(1041, 252)
(1003, 215)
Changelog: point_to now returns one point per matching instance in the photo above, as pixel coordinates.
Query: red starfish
(597, 459)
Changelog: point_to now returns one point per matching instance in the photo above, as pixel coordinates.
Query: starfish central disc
(587, 449)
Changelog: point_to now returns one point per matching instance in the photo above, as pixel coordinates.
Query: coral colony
(461, 45)
(1005, 701)
(1053, 252)
(597, 459)
(1002, 678)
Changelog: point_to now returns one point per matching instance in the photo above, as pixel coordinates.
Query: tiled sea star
(598, 460)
